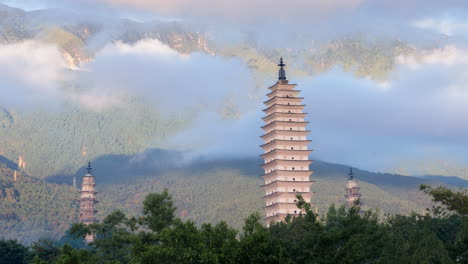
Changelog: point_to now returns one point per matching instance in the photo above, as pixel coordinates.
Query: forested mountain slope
(205, 190)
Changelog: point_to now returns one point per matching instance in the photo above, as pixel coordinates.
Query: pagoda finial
(351, 173)
(282, 72)
(89, 170)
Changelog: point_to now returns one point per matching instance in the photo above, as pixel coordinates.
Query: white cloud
(171, 81)
(30, 72)
(443, 26)
(145, 47)
(448, 55)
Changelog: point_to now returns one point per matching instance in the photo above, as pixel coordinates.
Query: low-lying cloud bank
(34, 73)
(418, 117)
(30, 73)
(419, 114)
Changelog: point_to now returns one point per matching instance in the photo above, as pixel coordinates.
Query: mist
(414, 116)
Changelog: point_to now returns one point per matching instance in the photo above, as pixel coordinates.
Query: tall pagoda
(88, 200)
(286, 152)
(352, 190)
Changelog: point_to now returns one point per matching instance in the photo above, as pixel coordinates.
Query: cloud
(443, 26)
(449, 55)
(355, 122)
(172, 82)
(418, 118)
(418, 114)
(259, 10)
(204, 8)
(34, 73)
(247, 11)
(214, 137)
(30, 73)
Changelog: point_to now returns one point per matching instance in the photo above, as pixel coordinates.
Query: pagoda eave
(287, 152)
(282, 105)
(288, 182)
(279, 85)
(280, 204)
(276, 173)
(282, 100)
(285, 123)
(284, 114)
(287, 161)
(272, 94)
(286, 142)
(286, 193)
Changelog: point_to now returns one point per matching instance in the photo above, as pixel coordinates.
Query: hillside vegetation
(342, 235)
(205, 191)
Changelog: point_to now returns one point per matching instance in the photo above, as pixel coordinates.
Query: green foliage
(375, 59)
(45, 250)
(341, 236)
(209, 194)
(158, 211)
(60, 142)
(32, 208)
(454, 201)
(11, 251)
(76, 256)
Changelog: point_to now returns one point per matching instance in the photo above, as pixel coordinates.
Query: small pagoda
(88, 200)
(352, 190)
(286, 153)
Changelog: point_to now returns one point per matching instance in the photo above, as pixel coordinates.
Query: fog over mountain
(176, 58)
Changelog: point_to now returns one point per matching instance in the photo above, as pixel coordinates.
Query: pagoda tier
(286, 153)
(282, 85)
(285, 197)
(284, 109)
(285, 125)
(278, 116)
(285, 175)
(284, 101)
(283, 93)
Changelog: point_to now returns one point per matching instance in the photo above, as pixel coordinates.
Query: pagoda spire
(282, 72)
(89, 169)
(351, 173)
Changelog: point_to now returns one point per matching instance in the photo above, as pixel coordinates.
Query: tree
(11, 251)
(257, 246)
(45, 250)
(158, 211)
(454, 201)
(73, 256)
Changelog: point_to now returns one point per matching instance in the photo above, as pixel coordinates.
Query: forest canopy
(343, 235)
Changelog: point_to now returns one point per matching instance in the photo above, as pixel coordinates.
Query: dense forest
(343, 235)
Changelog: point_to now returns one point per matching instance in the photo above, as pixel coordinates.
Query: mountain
(80, 37)
(40, 137)
(450, 180)
(48, 148)
(204, 191)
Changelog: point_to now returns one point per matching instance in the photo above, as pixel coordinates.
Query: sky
(412, 121)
